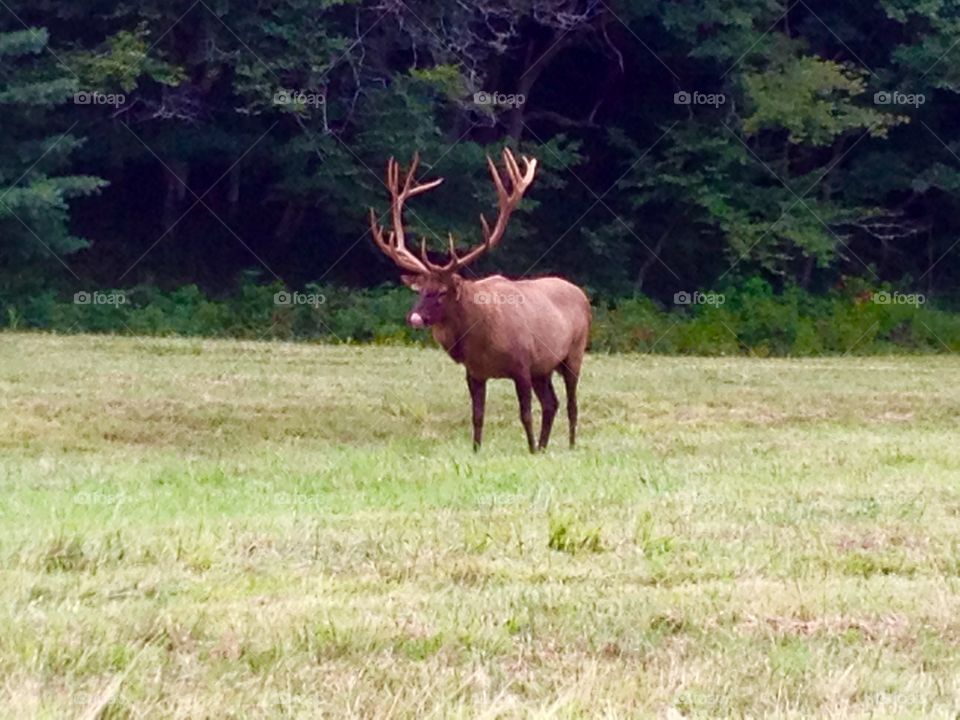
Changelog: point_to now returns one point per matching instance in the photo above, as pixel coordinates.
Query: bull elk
(522, 330)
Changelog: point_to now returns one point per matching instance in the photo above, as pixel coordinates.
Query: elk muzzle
(428, 310)
(415, 320)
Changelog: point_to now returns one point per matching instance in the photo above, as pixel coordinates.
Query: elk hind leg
(524, 397)
(543, 387)
(570, 371)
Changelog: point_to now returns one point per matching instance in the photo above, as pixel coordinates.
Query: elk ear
(412, 282)
(456, 284)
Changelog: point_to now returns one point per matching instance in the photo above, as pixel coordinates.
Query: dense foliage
(746, 319)
(159, 145)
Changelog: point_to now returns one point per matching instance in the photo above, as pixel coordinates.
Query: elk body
(522, 330)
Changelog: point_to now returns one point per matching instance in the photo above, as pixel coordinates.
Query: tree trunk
(289, 223)
(233, 193)
(807, 273)
(534, 65)
(177, 175)
(654, 256)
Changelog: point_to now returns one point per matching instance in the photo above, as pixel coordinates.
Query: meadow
(227, 529)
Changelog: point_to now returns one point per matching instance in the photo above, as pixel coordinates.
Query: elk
(522, 330)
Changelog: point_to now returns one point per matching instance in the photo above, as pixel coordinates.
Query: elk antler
(394, 246)
(506, 202)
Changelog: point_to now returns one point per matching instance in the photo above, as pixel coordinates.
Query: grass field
(221, 529)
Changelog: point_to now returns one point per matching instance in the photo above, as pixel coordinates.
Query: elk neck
(460, 317)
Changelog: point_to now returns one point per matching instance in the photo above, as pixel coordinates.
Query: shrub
(751, 319)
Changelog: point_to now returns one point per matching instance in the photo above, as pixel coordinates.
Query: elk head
(437, 284)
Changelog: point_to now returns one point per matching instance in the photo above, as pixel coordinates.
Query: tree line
(682, 145)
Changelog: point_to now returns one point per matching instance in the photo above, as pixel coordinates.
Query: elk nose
(415, 320)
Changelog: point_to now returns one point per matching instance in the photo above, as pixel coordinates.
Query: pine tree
(34, 192)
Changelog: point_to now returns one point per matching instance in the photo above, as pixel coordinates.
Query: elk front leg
(478, 395)
(543, 387)
(524, 392)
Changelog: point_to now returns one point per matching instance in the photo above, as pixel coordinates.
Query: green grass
(227, 529)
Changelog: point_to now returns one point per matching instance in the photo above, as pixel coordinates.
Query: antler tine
(377, 231)
(530, 169)
(421, 188)
(394, 246)
(519, 180)
(408, 181)
(433, 267)
(495, 174)
(486, 227)
(501, 196)
(506, 202)
(388, 245)
(424, 187)
(512, 170)
(392, 175)
(425, 258)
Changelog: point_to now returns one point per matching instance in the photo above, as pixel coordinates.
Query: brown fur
(547, 322)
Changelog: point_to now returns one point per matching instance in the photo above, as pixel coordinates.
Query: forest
(189, 154)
